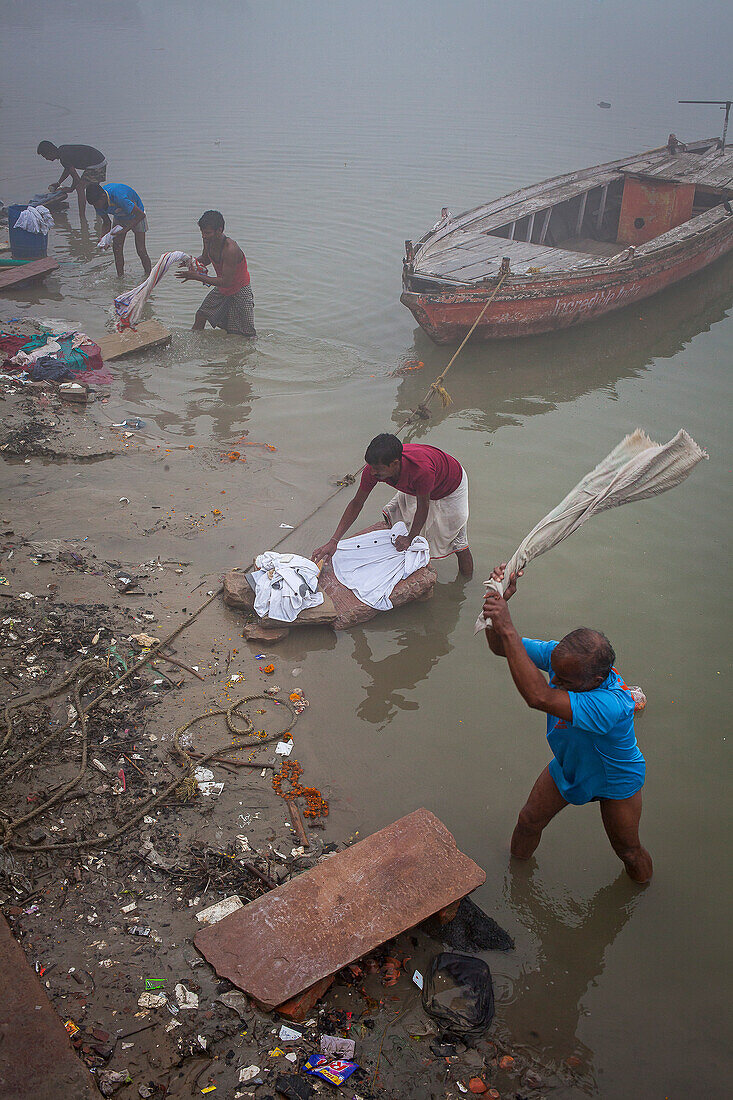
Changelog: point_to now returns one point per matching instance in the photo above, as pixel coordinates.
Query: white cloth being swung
(637, 468)
(285, 585)
(370, 564)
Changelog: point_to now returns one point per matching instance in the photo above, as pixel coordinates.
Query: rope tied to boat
(437, 386)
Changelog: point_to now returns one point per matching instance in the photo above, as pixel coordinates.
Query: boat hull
(524, 307)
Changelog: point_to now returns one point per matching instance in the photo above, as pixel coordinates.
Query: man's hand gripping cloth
(285, 585)
(35, 219)
(635, 469)
(106, 240)
(371, 566)
(129, 306)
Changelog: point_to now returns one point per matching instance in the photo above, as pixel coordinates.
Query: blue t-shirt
(597, 755)
(121, 202)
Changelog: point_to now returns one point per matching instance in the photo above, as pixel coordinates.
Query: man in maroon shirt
(431, 498)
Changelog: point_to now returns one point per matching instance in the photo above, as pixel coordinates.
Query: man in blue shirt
(590, 729)
(121, 209)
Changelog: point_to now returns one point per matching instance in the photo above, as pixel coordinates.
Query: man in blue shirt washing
(590, 729)
(121, 209)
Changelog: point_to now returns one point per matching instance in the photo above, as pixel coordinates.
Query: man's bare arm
(530, 682)
(352, 510)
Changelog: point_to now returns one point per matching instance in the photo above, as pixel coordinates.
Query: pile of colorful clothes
(50, 357)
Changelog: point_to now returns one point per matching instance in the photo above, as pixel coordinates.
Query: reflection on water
(501, 383)
(409, 654)
(573, 937)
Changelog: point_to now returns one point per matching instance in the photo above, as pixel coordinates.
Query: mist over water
(327, 134)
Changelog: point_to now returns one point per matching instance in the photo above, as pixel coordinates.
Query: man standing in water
(590, 729)
(230, 305)
(82, 164)
(431, 498)
(121, 210)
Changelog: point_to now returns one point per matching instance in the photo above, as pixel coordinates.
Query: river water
(327, 133)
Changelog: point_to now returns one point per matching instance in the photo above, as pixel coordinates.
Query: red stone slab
(341, 909)
(37, 1061)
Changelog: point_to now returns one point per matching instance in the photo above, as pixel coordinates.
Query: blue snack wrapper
(335, 1070)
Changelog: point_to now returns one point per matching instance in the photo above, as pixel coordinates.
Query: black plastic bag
(459, 994)
(470, 930)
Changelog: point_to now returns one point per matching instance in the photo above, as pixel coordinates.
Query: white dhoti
(446, 528)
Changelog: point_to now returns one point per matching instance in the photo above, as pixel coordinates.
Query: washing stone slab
(303, 932)
(148, 334)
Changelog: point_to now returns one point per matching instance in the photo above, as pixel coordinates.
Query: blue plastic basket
(24, 245)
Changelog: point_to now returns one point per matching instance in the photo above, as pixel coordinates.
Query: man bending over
(431, 498)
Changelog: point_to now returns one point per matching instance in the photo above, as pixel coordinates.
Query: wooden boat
(573, 247)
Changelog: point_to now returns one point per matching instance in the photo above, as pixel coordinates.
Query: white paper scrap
(220, 909)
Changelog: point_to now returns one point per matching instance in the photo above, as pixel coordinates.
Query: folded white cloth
(286, 584)
(370, 565)
(35, 219)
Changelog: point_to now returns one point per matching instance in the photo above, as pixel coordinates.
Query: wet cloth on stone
(370, 565)
(446, 528)
(50, 369)
(10, 345)
(34, 349)
(233, 312)
(634, 470)
(285, 585)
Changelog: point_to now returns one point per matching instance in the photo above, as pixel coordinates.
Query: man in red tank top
(230, 304)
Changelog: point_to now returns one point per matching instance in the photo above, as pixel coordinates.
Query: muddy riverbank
(88, 579)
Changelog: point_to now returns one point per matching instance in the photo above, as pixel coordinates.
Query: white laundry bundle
(106, 240)
(35, 219)
(370, 564)
(637, 468)
(285, 585)
(129, 306)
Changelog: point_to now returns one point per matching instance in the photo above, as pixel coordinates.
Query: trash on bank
(205, 782)
(336, 1047)
(111, 1080)
(185, 998)
(293, 1087)
(289, 1034)
(335, 1070)
(459, 995)
(284, 748)
(152, 1000)
(248, 1074)
(221, 908)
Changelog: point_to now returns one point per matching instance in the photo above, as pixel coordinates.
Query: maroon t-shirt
(425, 472)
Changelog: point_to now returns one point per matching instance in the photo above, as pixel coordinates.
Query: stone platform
(302, 933)
(37, 1061)
(340, 608)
